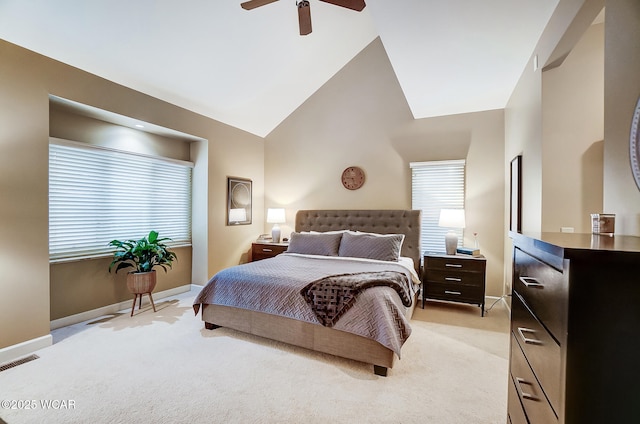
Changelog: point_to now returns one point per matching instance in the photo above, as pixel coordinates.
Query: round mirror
(634, 144)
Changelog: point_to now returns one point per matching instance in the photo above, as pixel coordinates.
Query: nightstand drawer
(456, 293)
(264, 250)
(455, 264)
(475, 279)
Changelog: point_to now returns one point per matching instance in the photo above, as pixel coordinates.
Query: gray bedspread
(273, 286)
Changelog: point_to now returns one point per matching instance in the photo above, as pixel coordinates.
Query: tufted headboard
(382, 221)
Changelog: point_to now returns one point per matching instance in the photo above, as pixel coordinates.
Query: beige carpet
(165, 367)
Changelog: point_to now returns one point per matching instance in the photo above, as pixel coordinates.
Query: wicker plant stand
(140, 283)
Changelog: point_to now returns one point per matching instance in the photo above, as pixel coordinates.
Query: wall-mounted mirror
(634, 144)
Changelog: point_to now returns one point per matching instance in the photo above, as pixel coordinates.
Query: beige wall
(581, 153)
(524, 114)
(572, 136)
(26, 81)
(524, 117)
(360, 117)
(622, 90)
(79, 286)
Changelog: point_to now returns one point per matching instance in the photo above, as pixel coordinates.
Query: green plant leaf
(142, 255)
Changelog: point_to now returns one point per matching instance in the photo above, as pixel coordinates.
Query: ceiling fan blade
(304, 17)
(252, 4)
(356, 5)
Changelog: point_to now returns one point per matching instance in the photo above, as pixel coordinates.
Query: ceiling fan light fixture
(304, 9)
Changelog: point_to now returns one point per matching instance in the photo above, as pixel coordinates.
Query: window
(97, 195)
(434, 186)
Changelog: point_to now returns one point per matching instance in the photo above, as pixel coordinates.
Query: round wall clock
(634, 144)
(353, 178)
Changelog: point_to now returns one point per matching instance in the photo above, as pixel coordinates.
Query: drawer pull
(526, 339)
(531, 282)
(522, 393)
(453, 279)
(264, 249)
(453, 265)
(452, 292)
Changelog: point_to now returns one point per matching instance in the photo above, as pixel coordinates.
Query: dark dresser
(575, 329)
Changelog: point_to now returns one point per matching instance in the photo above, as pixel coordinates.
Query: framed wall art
(238, 201)
(515, 205)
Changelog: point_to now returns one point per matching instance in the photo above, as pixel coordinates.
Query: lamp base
(275, 234)
(451, 243)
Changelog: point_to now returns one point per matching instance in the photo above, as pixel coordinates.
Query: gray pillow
(383, 247)
(325, 244)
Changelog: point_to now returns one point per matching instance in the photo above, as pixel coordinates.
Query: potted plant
(143, 256)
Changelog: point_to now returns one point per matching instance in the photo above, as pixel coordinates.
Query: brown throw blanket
(330, 297)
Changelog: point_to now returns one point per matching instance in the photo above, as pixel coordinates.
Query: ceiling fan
(304, 9)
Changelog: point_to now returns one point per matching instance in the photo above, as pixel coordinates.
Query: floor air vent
(18, 362)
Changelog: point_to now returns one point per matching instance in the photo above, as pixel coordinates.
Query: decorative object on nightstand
(451, 218)
(459, 278)
(275, 216)
(470, 251)
(263, 250)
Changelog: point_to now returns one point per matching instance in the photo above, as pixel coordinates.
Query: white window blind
(97, 195)
(434, 186)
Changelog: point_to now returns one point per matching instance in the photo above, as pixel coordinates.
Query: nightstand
(454, 278)
(264, 250)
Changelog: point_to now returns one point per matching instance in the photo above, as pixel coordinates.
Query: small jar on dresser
(575, 329)
(263, 250)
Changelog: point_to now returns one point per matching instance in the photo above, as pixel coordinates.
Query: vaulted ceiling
(252, 69)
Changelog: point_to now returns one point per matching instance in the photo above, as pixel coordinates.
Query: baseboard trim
(116, 307)
(13, 352)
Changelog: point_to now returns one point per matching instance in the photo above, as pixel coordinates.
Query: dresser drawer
(536, 407)
(543, 353)
(516, 412)
(543, 289)
(455, 277)
(456, 293)
(452, 263)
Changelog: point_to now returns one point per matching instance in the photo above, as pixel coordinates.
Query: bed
(273, 298)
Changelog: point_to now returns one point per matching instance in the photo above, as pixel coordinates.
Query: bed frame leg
(381, 371)
(210, 326)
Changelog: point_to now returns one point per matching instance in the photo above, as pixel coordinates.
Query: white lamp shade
(238, 215)
(275, 216)
(451, 218)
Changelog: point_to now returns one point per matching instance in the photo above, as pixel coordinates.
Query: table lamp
(451, 218)
(275, 216)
